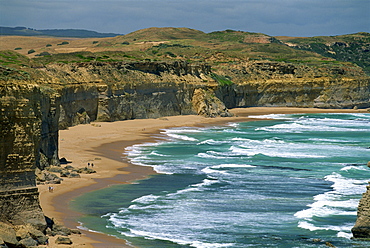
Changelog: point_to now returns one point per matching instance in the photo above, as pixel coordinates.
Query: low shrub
(43, 54)
(63, 43)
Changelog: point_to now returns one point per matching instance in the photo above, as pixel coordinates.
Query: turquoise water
(290, 181)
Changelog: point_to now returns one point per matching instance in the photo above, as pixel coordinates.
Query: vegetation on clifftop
(222, 50)
(354, 48)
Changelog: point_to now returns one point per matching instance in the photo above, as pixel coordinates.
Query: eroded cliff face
(362, 226)
(298, 92)
(20, 125)
(269, 83)
(121, 91)
(113, 102)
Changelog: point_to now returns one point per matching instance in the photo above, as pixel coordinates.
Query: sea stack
(362, 226)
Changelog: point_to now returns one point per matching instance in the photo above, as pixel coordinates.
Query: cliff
(362, 227)
(298, 92)
(63, 95)
(20, 125)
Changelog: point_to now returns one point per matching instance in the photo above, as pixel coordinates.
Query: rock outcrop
(298, 92)
(207, 104)
(20, 125)
(276, 84)
(362, 226)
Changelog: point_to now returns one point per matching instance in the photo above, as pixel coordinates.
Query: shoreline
(103, 144)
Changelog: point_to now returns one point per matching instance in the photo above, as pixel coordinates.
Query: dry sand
(102, 143)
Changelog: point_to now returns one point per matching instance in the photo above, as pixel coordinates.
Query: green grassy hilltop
(220, 49)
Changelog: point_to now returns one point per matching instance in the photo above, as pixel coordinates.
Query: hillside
(353, 48)
(223, 50)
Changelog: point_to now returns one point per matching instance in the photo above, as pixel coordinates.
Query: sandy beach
(102, 144)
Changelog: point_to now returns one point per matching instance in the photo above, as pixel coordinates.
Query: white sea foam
(182, 191)
(232, 166)
(171, 238)
(209, 170)
(199, 244)
(362, 115)
(332, 203)
(330, 140)
(82, 227)
(134, 149)
(306, 225)
(330, 124)
(351, 167)
(321, 210)
(137, 161)
(233, 124)
(149, 207)
(212, 142)
(271, 116)
(344, 235)
(182, 130)
(205, 182)
(181, 137)
(299, 127)
(258, 142)
(215, 169)
(214, 155)
(159, 168)
(115, 218)
(241, 139)
(271, 152)
(146, 199)
(158, 154)
(309, 226)
(162, 169)
(345, 186)
(195, 187)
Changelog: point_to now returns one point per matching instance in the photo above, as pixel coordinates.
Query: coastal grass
(219, 48)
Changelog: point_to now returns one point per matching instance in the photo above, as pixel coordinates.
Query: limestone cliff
(207, 104)
(298, 92)
(20, 125)
(269, 83)
(121, 91)
(362, 226)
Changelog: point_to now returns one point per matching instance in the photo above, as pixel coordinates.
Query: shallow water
(293, 181)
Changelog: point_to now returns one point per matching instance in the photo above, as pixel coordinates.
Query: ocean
(285, 180)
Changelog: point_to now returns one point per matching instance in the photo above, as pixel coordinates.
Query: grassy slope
(219, 49)
(354, 48)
